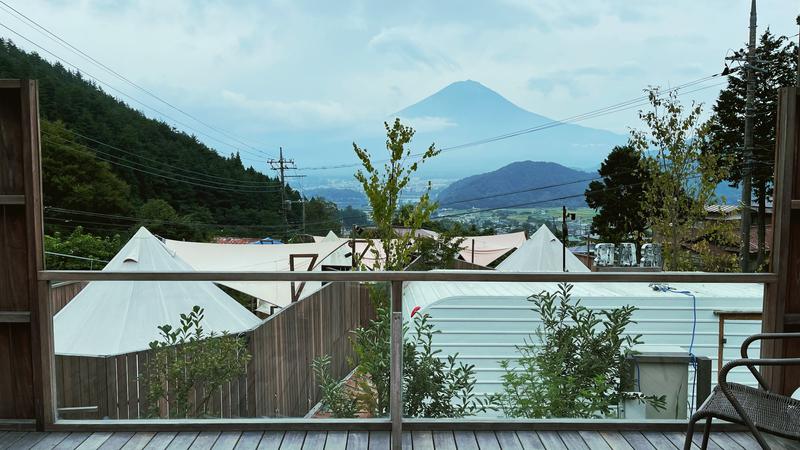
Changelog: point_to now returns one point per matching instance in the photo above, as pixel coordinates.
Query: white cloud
(426, 124)
(300, 114)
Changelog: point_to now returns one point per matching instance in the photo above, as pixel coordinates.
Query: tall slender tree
(776, 65)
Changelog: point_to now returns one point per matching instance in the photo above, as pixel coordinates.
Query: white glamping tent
(260, 258)
(116, 317)
(543, 252)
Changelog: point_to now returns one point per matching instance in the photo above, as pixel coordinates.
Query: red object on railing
(414, 311)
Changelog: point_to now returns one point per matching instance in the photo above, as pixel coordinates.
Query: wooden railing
(395, 422)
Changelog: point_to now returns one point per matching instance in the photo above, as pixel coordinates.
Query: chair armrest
(750, 363)
(765, 336)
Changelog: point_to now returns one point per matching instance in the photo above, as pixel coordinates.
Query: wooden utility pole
(748, 142)
(565, 236)
(281, 165)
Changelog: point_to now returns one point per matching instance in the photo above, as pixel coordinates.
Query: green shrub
(187, 359)
(578, 368)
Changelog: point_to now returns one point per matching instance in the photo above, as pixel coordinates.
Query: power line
(621, 106)
(83, 72)
(128, 152)
(165, 176)
(66, 44)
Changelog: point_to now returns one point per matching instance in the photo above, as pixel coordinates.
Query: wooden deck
(375, 440)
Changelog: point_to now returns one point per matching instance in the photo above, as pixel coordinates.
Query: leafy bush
(187, 359)
(336, 398)
(432, 387)
(579, 367)
(80, 243)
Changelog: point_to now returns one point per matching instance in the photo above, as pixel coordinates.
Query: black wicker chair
(758, 409)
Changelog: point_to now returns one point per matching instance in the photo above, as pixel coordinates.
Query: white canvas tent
(116, 317)
(543, 252)
(484, 250)
(259, 258)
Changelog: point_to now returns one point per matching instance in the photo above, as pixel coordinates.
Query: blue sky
(261, 68)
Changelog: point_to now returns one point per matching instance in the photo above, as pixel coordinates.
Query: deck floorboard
(375, 440)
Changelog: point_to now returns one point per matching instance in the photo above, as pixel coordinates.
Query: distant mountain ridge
(543, 184)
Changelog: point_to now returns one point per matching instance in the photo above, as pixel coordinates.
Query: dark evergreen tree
(776, 66)
(102, 156)
(618, 197)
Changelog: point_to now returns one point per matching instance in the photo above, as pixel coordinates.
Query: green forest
(109, 169)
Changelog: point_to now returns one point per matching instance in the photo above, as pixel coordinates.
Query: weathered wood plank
(508, 440)
(117, 440)
(315, 440)
(337, 440)
(139, 440)
(72, 441)
(422, 440)
(161, 441)
(227, 440)
(697, 439)
(293, 440)
(594, 440)
(725, 441)
(615, 440)
(379, 440)
(183, 440)
(486, 440)
(205, 440)
(677, 439)
(442, 440)
(249, 440)
(271, 440)
(358, 440)
(28, 441)
(50, 441)
(94, 441)
(551, 440)
(638, 441)
(8, 439)
(744, 438)
(573, 440)
(406, 441)
(530, 440)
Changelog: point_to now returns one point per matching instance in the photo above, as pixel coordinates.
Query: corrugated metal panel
(485, 322)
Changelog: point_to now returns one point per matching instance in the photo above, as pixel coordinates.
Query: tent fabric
(490, 248)
(543, 252)
(258, 258)
(116, 317)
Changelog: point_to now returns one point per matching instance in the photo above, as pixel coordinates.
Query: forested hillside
(109, 168)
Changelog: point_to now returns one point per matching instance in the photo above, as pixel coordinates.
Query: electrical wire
(618, 107)
(83, 72)
(43, 30)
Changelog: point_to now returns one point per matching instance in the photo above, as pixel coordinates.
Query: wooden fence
(279, 381)
(63, 293)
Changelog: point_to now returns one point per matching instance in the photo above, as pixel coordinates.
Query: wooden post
(396, 367)
(782, 298)
(26, 352)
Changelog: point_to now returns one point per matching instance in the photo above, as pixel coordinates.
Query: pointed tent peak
(543, 252)
(145, 252)
(331, 236)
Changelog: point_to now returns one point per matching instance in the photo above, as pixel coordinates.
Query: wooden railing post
(396, 368)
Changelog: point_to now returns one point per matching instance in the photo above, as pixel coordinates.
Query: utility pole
(565, 236)
(798, 52)
(748, 142)
(281, 165)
